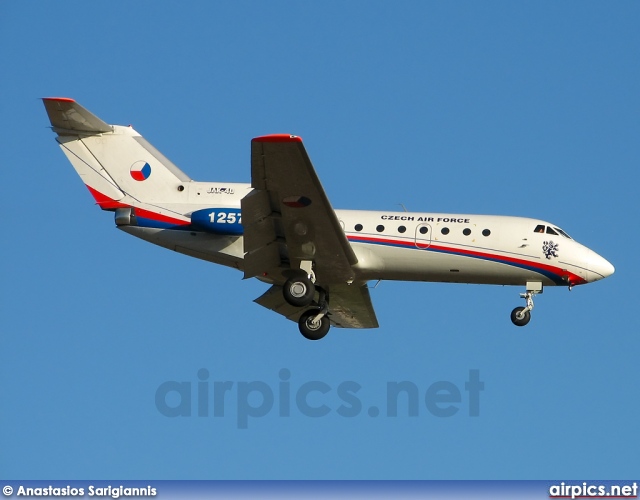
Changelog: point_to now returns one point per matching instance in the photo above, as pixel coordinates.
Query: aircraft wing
(287, 218)
(350, 306)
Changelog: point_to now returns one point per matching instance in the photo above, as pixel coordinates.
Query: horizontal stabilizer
(67, 117)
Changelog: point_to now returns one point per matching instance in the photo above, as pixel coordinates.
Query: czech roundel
(140, 170)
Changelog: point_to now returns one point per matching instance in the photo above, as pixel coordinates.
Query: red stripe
(61, 99)
(381, 240)
(572, 278)
(277, 138)
(107, 203)
(104, 201)
(146, 214)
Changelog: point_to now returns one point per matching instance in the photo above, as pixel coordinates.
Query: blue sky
(518, 108)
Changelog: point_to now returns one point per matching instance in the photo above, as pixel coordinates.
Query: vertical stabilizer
(117, 164)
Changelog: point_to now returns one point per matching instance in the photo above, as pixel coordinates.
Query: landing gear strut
(299, 291)
(313, 323)
(520, 316)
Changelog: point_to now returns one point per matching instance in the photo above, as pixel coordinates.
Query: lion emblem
(550, 249)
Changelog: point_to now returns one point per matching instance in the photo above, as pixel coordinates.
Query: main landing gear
(520, 316)
(300, 291)
(314, 324)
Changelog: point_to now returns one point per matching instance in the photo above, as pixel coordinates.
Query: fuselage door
(423, 236)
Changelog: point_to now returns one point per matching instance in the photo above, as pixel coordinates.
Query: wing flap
(259, 228)
(262, 252)
(350, 306)
(273, 299)
(262, 262)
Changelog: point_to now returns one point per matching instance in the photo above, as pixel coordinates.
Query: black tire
(313, 331)
(299, 292)
(520, 322)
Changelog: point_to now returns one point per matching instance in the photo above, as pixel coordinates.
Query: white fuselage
(422, 246)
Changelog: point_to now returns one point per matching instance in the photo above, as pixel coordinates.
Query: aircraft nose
(599, 267)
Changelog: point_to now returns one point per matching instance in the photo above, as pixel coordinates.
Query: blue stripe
(156, 224)
(411, 246)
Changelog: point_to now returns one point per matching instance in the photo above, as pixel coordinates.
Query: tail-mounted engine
(126, 217)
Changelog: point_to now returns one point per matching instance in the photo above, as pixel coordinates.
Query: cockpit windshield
(562, 233)
(541, 228)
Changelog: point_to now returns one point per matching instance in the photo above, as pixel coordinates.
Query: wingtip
(277, 138)
(60, 99)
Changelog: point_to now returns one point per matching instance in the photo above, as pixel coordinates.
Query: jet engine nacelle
(225, 221)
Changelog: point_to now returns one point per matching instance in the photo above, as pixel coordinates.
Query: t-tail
(118, 166)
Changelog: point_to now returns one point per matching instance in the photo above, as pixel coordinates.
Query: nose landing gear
(520, 316)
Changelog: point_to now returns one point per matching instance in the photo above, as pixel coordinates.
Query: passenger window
(466, 231)
(423, 230)
(539, 229)
(445, 230)
(358, 227)
(380, 228)
(402, 229)
(551, 231)
(486, 232)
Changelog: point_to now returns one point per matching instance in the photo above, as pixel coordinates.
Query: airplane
(282, 229)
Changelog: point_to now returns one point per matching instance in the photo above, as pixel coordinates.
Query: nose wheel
(520, 316)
